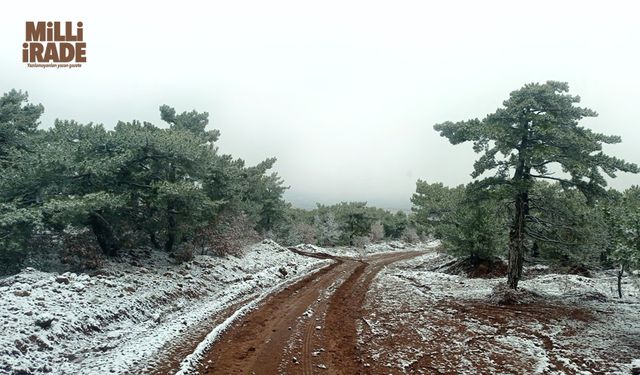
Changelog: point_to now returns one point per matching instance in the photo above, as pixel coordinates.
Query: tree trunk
(154, 240)
(172, 228)
(535, 250)
(521, 180)
(172, 222)
(103, 231)
(516, 241)
(620, 273)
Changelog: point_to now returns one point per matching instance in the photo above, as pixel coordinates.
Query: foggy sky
(344, 94)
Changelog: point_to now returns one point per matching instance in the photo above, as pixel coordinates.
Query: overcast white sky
(344, 94)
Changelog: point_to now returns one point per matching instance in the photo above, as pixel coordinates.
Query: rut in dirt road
(308, 328)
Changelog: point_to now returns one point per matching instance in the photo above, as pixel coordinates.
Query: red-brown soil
(332, 323)
(308, 328)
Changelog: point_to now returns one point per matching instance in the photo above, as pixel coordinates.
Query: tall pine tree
(536, 128)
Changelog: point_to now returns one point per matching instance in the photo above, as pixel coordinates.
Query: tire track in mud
(306, 350)
(173, 352)
(346, 309)
(287, 334)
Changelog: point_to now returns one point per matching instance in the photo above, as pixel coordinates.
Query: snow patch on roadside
(121, 317)
(452, 327)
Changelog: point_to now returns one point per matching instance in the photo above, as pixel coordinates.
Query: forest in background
(73, 193)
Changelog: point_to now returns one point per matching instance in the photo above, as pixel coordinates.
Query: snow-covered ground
(368, 249)
(421, 321)
(418, 320)
(116, 320)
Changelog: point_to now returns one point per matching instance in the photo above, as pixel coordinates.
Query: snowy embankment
(118, 319)
(451, 323)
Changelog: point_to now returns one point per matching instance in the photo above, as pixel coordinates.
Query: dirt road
(308, 328)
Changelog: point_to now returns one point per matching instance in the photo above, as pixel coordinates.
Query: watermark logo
(54, 44)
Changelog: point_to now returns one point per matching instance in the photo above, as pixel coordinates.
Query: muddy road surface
(307, 328)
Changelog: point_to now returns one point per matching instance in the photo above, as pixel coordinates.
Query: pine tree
(536, 128)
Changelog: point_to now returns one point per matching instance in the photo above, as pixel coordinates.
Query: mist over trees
(80, 192)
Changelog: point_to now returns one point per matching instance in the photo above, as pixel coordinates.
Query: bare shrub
(376, 232)
(410, 235)
(134, 238)
(184, 253)
(302, 233)
(360, 241)
(327, 228)
(230, 233)
(80, 251)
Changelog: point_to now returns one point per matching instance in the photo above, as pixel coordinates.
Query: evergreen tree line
(73, 185)
(76, 193)
(564, 228)
(346, 224)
